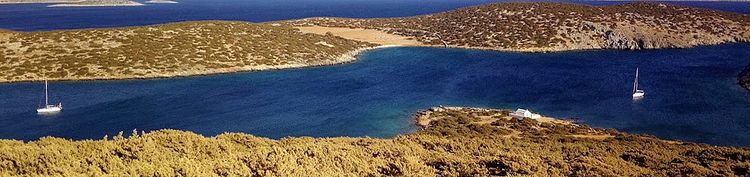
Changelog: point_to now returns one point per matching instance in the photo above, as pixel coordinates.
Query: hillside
(456, 142)
(559, 26)
(177, 49)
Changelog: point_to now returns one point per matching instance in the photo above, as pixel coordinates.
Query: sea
(691, 94)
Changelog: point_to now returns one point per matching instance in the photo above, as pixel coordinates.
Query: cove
(692, 95)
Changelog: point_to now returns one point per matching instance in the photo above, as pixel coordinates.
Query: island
(76, 3)
(211, 47)
(456, 141)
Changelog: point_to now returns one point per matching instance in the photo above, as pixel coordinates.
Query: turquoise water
(691, 95)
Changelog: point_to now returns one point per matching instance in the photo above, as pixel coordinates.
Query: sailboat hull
(47, 110)
(638, 95)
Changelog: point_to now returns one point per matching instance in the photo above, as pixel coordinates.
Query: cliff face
(454, 142)
(557, 27)
(744, 78)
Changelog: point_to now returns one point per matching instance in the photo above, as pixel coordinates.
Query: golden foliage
(457, 143)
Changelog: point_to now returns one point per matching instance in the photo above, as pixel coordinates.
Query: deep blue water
(36, 17)
(691, 95)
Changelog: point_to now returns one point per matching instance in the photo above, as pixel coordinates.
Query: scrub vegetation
(559, 26)
(456, 142)
(176, 49)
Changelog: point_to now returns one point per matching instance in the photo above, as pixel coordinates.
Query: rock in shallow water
(744, 78)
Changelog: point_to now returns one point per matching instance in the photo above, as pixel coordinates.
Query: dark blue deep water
(36, 17)
(691, 95)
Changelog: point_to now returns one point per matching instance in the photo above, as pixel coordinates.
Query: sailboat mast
(635, 83)
(46, 97)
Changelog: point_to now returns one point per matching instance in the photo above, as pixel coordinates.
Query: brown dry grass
(533, 27)
(166, 50)
(455, 144)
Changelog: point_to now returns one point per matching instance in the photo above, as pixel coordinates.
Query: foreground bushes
(457, 143)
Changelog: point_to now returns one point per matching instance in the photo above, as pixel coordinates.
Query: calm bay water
(691, 95)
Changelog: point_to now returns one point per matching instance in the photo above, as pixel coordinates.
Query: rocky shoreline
(458, 141)
(342, 59)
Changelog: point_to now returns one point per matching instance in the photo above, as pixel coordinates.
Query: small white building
(523, 113)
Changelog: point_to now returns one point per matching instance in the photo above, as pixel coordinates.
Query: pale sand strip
(365, 35)
(384, 38)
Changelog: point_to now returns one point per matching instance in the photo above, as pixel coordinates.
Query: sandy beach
(364, 35)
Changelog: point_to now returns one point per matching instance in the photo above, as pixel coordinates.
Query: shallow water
(691, 94)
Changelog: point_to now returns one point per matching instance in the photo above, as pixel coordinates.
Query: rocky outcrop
(744, 78)
(558, 26)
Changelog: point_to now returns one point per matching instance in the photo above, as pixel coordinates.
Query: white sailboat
(637, 93)
(48, 108)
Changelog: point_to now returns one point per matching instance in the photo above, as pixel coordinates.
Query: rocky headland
(541, 27)
(456, 142)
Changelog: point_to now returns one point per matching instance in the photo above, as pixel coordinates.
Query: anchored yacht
(48, 108)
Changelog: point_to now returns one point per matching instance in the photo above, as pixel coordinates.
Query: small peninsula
(456, 142)
(167, 50)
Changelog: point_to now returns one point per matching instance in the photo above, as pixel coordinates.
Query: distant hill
(560, 26)
(457, 142)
